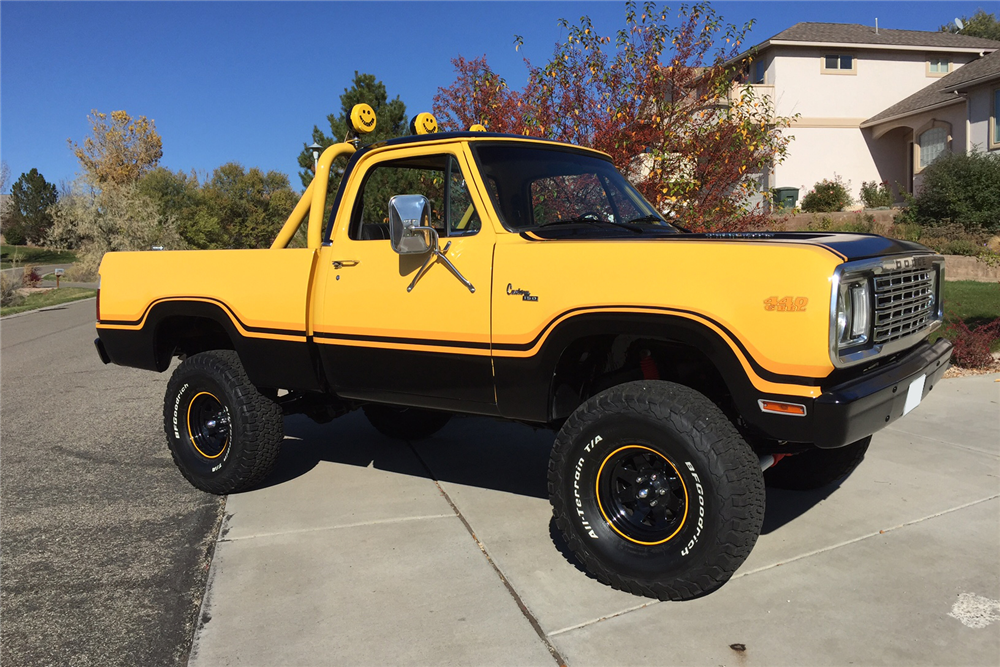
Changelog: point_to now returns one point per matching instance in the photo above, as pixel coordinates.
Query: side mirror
(410, 231)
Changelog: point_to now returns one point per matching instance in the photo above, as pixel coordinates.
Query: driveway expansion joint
(869, 535)
(536, 626)
(940, 441)
(338, 527)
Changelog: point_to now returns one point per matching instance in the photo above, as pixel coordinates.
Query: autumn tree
(365, 88)
(980, 24)
(661, 98)
(120, 149)
(4, 175)
(28, 217)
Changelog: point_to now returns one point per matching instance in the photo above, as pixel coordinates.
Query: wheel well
(595, 363)
(187, 336)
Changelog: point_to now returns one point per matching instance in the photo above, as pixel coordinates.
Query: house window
(759, 71)
(995, 129)
(839, 64)
(933, 143)
(938, 66)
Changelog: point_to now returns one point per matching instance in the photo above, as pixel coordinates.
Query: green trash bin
(786, 197)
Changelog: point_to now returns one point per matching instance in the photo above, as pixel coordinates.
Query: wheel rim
(642, 495)
(208, 425)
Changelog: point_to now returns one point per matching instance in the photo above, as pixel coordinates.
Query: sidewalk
(367, 551)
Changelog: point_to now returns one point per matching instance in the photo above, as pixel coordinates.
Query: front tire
(224, 435)
(655, 491)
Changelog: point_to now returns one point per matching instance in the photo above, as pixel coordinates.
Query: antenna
(959, 24)
(876, 25)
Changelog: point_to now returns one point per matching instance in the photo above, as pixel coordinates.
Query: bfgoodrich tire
(816, 468)
(224, 435)
(655, 491)
(405, 423)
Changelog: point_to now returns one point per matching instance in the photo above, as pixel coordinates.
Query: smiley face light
(477, 128)
(362, 119)
(423, 123)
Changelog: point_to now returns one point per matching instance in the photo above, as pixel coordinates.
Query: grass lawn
(976, 303)
(50, 297)
(30, 255)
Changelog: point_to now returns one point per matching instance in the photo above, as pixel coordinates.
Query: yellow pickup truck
(499, 275)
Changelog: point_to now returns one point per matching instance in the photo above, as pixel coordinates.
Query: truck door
(378, 338)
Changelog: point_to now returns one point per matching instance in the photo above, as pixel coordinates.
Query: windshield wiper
(657, 218)
(590, 220)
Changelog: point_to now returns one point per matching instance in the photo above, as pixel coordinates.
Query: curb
(38, 310)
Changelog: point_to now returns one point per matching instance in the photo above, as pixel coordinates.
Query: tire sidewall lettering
(591, 525)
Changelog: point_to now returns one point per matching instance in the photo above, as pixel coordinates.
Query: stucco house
(872, 104)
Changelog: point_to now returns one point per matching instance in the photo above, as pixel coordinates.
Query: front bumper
(857, 408)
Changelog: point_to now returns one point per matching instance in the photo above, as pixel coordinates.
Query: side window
(558, 198)
(436, 177)
(463, 220)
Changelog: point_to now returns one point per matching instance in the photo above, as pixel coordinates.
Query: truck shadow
(472, 451)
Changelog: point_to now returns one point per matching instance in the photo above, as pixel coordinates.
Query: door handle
(341, 263)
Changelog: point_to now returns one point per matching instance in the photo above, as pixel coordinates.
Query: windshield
(535, 186)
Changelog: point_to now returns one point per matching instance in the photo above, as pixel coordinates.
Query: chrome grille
(904, 303)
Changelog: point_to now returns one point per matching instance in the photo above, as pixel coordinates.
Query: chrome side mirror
(410, 231)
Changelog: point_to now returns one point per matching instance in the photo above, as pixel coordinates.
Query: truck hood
(848, 246)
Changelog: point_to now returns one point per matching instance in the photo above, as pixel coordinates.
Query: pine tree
(365, 88)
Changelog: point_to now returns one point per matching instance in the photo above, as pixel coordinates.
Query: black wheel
(655, 491)
(405, 423)
(816, 468)
(224, 435)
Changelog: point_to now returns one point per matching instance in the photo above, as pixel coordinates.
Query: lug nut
(652, 503)
(662, 492)
(643, 493)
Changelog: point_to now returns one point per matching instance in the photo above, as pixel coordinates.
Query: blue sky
(246, 81)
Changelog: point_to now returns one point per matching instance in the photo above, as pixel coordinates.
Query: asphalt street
(104, 547)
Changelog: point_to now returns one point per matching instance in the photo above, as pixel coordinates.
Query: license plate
(914, 393)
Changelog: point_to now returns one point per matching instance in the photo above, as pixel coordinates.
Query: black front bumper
(857, 408)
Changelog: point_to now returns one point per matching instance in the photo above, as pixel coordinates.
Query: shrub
(961, 188)
(876, 195)
(827, 196)
(9, 296)
(30, 277)
(972, 346)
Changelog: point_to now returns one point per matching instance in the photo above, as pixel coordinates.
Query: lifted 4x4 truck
(489, 274)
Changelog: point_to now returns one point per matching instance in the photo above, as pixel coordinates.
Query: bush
(961, 188)
(876, 195)
(827, 196)
(30, 277)
(972, 346)
(9, 296)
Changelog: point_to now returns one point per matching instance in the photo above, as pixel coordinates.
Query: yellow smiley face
(477, 128)
(423, 123)
(363, 118)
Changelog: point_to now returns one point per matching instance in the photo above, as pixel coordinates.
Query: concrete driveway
(363, 551)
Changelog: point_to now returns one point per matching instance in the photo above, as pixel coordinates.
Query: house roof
(853, 33)
(942, 91)
(856, 35)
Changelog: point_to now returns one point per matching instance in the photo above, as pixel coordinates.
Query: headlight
(853, 312)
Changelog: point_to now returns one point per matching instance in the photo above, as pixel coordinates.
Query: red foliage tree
(663, 101)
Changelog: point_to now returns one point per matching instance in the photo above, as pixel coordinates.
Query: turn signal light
(780, 408)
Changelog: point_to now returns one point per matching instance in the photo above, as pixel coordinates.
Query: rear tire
(405, 423)
(655, 491)
(816, 468)
(224, 435)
